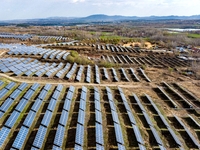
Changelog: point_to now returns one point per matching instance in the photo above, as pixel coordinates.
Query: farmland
(72, 94)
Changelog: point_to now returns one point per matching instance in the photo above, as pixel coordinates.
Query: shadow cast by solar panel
(136, 108)
(187, 139)
(70, 141)
(151, 109)
(169, 139)
(191, 123)
(175, 123)
(132, 141)
(50, 139)
(117, 96)
(151, 139)
(91, 137)
(30, 139)
(143, 121)
(159, 122)
(163, 97)
(111, 137)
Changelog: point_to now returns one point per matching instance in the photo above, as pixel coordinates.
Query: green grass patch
(193, 35)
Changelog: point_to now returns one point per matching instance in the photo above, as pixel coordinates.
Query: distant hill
(92, 18)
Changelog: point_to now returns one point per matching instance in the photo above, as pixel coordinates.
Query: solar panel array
(98, 124)
(71, 72)
(132, 120)
(81, 118)
(117, 126)
(97, 75)
(88, 75)
(79, 74)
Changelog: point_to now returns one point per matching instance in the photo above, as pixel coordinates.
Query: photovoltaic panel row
(39, 138)
(59, 137)
(114, 74)
(71, 72)
(88, 75)
(4, 132)
(21, 136)
(97, 74)
(79, 74)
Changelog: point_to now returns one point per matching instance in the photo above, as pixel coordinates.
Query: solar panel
(72, 89)
(156, 136)
(10, 85)
(99, 147)
(84, 89)
(63, 118)
(36, 105)
(98, 116)
(97, 105)
(146, 116)
(141, 147)
(121, 147)
(43, 94)
(47, 118)
(99, 134)
(127, 106)
(21, 136)
(38, 141)
(56, 95)
(112, 106)
(35, 86)
(138, 134)
(82, 105)
(67, 104)
(22, 86)
(162, 147)
(118, 132)
(52, 105)
(12, 119)
(1, 83)
(47, 87)
(131, 117)
(115, 116)
(21, 105)
(4, 107)
(97, 96)
(78, 147)
(3, 92)
(29, 119)
(79, 134)
(1, 114)
(29, 94)
(59, 137)
(3, 135)
(56, 148)
(81, 117)
(59, 87)
(174, 136)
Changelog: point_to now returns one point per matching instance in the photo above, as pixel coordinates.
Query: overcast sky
(28, 9)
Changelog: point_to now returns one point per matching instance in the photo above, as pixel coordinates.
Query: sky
(29, 9)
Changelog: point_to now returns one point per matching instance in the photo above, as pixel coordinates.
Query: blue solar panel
(131, 117)
(121, 147)
(3, 92)
(146, 116)
(59, 137)
(115, 116)
(29, 119)
(97, 105)
(42, 94)
(12, 119)
(35, 86)
(21, 105)
(3, 135)
(63, 118)
(138, 134)
(112, 106)
(174, 136)
(141, 147)
(22, 86)
(110, 97)
(78, 147)
(59, 87)
(98, 116)
(29, 94)
(21, 136)
(156, 136)
(84, 89)
(1, 83)
(81, 117)
(118, 133)
(10, 85)
(4, 107)
(82, 104)
(56, 148)
(127, 106)
(52, 105)
(72, 89)
(36, 105)
(1, 114)
(99, 134)
(99, 147)
(15, 94)
(47, 87)
(47, 118)
(79, 134)
(67, 105)
(83, 95)
(56, 95)
(38, 141)
(69, 95)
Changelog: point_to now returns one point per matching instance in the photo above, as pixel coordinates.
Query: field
(96, 96)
